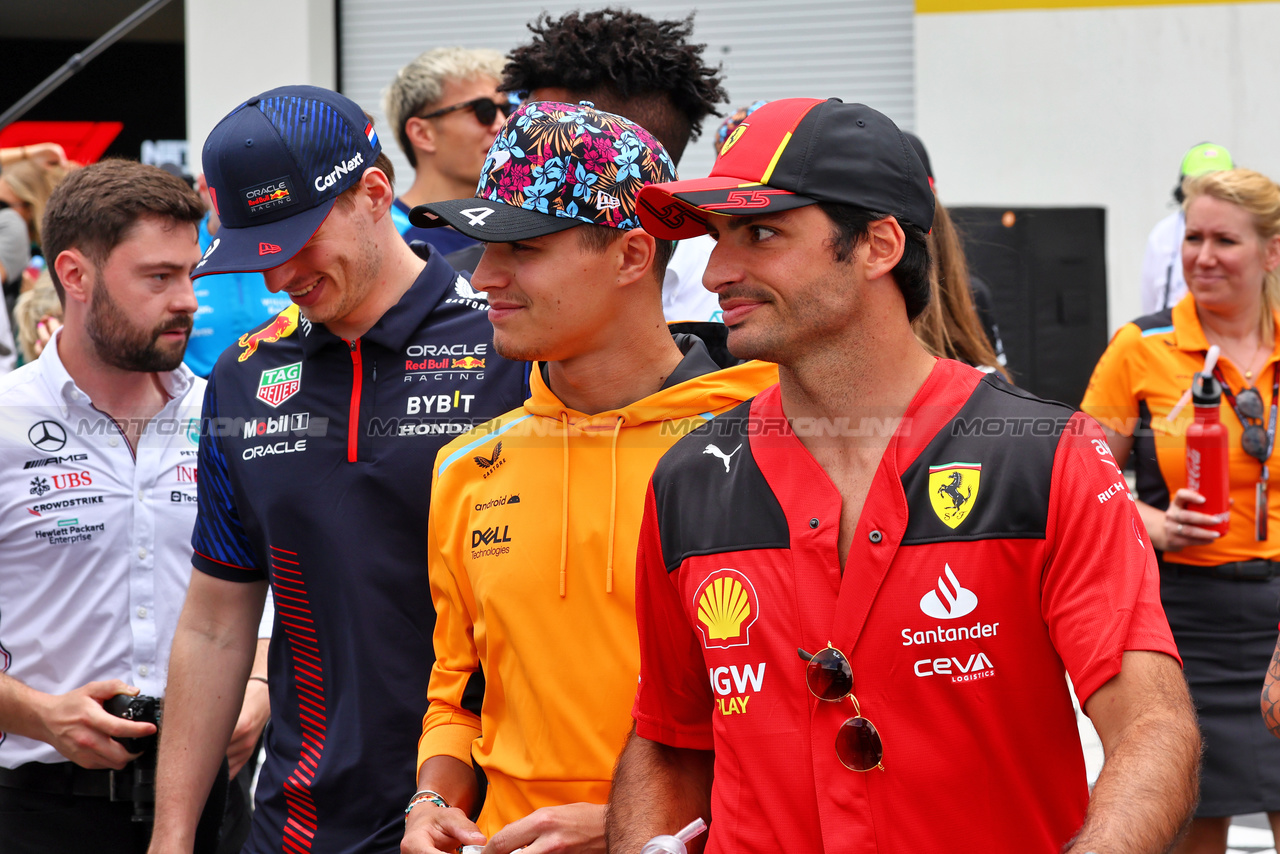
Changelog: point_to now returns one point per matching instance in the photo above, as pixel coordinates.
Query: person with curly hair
(623, 62)
(646, 70)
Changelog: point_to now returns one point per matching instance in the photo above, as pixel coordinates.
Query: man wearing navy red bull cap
(322, 426)
(885, 537)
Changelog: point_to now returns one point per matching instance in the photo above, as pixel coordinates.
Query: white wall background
(238, 48)
(1096, 107)
(858, 50)
(1089, 106)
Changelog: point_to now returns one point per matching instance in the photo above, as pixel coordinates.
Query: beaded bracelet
(425, 796)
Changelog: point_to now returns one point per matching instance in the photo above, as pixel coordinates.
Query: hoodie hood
(708, 388)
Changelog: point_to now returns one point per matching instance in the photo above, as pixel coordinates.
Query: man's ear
(75, 273)
(421, 134)
(885, 244)
(377, 187)
(636, 250)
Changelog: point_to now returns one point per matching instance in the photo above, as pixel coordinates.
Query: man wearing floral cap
(535, 515)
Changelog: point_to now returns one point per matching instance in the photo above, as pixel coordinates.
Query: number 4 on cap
(477, 216)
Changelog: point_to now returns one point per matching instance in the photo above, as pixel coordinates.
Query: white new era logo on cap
(477, 216)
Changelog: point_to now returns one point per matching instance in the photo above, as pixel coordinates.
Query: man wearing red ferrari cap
(885, 537)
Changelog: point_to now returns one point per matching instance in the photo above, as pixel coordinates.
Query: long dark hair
(949, 326)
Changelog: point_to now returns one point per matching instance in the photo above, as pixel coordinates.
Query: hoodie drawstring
(613, 506)
(564, 507)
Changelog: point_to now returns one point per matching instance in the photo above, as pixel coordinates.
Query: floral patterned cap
(554, 166)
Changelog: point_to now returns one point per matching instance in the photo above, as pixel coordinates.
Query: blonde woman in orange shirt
(1220, 593)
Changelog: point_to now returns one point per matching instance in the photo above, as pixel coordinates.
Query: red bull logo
(270, 197)
(426, 364)
(281, 326)
(470, 363)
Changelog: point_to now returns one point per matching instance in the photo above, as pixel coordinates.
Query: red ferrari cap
(792, 153)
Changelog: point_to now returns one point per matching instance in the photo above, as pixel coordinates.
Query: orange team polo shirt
(1143, 373)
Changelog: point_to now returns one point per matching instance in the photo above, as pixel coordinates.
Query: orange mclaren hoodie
(534, 522)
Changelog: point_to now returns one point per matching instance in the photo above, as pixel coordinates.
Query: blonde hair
(420, 84)
(1258, 196)
(949, 326)
(32, 307)
(34, 183)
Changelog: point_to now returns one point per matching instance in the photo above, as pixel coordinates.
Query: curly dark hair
(626, 63)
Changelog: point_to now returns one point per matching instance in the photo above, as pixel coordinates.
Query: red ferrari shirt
(997, 550)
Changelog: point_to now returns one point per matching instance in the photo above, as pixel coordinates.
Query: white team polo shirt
(95, 538)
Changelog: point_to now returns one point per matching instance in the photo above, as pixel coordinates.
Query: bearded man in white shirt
(98, 443)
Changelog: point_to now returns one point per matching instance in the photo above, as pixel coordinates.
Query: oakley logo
(723, 457)
(267, 249)
(48, 436)
(209, 251)
(950, 601)
(477, 216)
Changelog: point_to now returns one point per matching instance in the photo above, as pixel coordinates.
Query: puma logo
(724, 458)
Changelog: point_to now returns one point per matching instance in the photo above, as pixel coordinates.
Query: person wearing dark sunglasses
(857, 593)
(445, 107)
(1219, 590)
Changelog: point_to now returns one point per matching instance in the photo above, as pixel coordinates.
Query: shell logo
(726, 606)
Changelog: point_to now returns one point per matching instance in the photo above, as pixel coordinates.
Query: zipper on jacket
(353, 421)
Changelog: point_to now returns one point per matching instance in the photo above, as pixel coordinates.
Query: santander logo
(950, 601)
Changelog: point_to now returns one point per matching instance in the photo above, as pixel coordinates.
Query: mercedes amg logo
(48, 436)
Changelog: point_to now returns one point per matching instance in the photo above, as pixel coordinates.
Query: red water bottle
(1207, 443)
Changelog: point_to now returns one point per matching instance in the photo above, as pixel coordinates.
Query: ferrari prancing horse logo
(953, 489)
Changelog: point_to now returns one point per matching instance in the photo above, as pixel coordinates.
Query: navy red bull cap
(275, 165)
(796, 152)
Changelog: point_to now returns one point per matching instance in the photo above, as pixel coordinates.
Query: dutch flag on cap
(371, 134)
